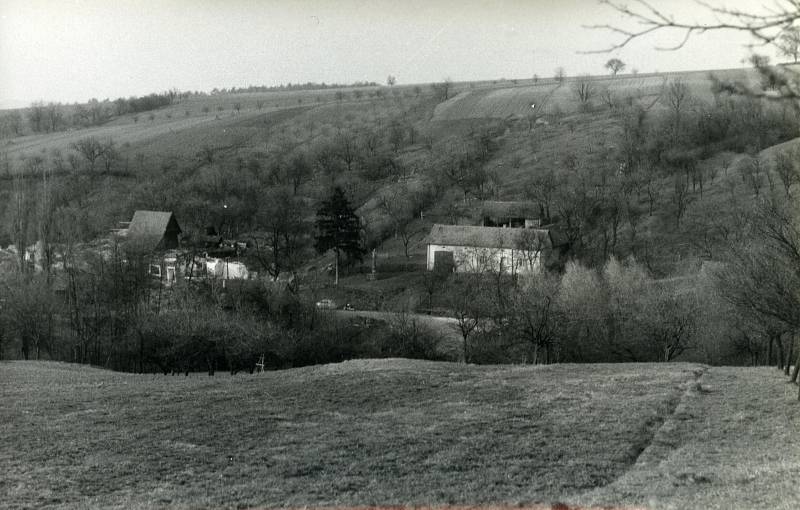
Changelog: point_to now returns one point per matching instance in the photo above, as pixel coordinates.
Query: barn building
(472, 249)
(156, 233)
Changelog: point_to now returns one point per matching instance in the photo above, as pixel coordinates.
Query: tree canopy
(338, 228)
(615, 65)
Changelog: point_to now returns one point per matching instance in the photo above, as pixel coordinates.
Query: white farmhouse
(471, 249)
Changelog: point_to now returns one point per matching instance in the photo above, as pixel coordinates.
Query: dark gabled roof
(489, 237)
(147, 228)
(495, 209)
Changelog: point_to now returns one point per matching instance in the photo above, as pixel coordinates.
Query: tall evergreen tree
(338, 229)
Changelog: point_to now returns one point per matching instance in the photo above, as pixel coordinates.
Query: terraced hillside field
(399, 432)
(501, 102)
(175, 134)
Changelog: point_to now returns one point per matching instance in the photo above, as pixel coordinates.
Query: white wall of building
(470, 259)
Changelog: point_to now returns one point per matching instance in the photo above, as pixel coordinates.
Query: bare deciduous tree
(543, 188)
(90, 148)
(398, 205)
(787, 170)
(54, 116)
(789, 43)
(672, 322)
(676, 98)
(347, 147)
(535, 317)
(680, 197)
(442, 89)
(466, 307)
(766, 24)
(584, 90)
(37, 116)
(559, 75)
(281, 234)
(609, 98)
(615, 65)
(753, 169)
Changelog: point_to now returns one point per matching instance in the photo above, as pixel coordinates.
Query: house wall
(470, 259)
(511, 222)
(165, 269)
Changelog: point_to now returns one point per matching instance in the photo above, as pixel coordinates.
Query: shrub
(331, 341)
(407, 337)
(495, 348)
(205, 338)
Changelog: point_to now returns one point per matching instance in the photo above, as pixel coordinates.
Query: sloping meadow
(354, 433)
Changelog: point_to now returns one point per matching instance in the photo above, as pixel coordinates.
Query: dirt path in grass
(732, 442)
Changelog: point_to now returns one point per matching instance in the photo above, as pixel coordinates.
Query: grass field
(398, 432)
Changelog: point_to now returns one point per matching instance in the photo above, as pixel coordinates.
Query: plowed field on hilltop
(500, 101)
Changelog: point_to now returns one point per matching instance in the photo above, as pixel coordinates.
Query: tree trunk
(788, 367)
(769, 352)
(796, 367)
(25, 349)
(466, 352)
(779, 345)
(336, 278)
(141, 354)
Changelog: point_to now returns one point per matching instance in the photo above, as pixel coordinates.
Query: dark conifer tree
(338, 229)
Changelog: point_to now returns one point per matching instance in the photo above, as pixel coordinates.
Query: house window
(155, 270)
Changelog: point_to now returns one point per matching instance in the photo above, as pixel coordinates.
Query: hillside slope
(213, 159)
(397, 432)
(508, 99)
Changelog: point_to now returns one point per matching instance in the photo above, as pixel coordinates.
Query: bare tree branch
(766, 27)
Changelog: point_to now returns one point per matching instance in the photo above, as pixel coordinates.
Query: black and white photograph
(400, 254)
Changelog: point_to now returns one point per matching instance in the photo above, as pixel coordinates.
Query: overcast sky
(73, 50)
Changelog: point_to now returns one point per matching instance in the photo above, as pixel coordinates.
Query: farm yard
(399, 432)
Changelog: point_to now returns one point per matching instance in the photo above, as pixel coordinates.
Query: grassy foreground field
(399, 432)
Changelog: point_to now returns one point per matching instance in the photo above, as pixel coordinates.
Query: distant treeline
(293, 86)
(41, 117)
(146, 103)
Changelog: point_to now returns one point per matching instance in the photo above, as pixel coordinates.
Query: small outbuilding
(510, 214)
